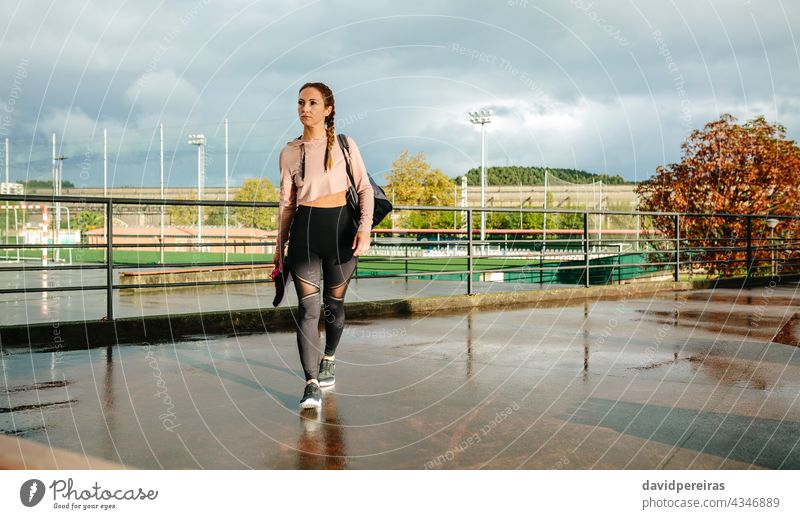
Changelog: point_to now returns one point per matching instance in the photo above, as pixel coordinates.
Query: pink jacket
(318, 182)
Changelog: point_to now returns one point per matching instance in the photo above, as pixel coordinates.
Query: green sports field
(605, 270)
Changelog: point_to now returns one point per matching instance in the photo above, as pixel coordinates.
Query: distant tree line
(534, 175)
(44, 184)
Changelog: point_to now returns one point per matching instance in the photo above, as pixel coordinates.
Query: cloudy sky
(598, 85)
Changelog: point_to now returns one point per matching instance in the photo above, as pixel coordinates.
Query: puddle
(746, 298)
(738, 323)
(36, 387)
(30, 407)
(788, 333)
(22, 432)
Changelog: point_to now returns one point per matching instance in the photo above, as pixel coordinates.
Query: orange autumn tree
(730, 168)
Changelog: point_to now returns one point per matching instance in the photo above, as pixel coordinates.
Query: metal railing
(558, 254)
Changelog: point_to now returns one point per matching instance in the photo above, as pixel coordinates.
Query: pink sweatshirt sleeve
(366, 195)
(286, 206)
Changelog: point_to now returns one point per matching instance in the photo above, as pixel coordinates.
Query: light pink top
(318, 182)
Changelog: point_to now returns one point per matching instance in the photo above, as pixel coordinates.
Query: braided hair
(327, 97)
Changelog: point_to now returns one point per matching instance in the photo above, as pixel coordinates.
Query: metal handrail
(681, 254)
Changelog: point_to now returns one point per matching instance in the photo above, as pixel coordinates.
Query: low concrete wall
(192, 275)
(164, 328)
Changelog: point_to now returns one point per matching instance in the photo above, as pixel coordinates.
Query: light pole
(57, 191)
(105, 187)
(199, 140)
(5, 156)
(544, 221)
(464, 202)
(482, 117)
(455, 204)
(394, 225)
(434, 199)
(226, 192)
(772, 223)
(161, 190)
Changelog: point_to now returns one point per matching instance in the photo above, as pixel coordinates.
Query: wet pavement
(701, 380)
(64, 306)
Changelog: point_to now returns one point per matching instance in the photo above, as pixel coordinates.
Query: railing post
(749, 226)
(541, 265)
(586, 248)
(469, 252)
(109, 262)
(676, 275)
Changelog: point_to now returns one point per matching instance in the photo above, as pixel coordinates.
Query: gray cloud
(605, 86)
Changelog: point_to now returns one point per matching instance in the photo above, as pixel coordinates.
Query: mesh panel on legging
(337, 279)
(308, 313)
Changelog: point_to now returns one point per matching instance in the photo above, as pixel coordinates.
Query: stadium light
(199, 140)
(482, 117)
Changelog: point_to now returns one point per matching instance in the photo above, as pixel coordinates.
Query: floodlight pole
(199, 140)
(482, 117)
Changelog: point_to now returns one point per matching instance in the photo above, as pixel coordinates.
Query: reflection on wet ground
(789, 332)
(732, 323)
(709, 379)
(322, 443)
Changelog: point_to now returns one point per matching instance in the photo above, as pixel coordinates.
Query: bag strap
(342, 138)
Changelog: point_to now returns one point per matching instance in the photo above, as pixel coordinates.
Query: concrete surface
(705, 379)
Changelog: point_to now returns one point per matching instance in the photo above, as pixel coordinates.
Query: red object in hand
(280, 278)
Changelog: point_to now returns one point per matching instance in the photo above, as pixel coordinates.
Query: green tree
(534, 175)
(256, 190)
(513, 219)
(215, 216)
(414, 182)
(183, 214)
(44, 184)
(89, 220)
(569, 220)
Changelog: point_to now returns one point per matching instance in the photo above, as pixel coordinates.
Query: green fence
(617, 268)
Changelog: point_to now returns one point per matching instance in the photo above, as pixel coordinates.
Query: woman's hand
(361, 243)
(278, 259)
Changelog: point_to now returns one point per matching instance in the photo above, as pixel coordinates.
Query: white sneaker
(312, 396)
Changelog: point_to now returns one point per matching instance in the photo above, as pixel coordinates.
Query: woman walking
(314, 218)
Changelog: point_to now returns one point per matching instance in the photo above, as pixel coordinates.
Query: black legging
(320, 235)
